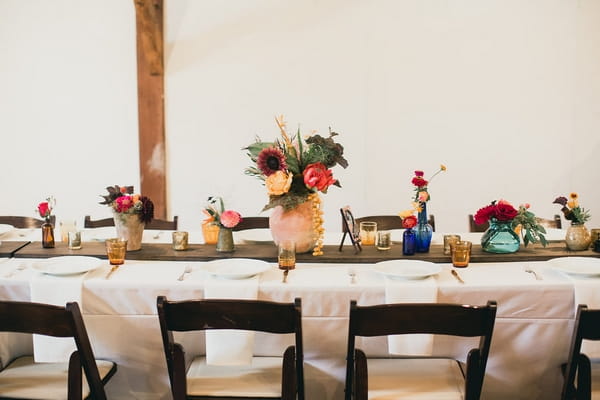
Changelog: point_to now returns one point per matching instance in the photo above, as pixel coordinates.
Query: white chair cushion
(25, 379)
(433, 378)
(262, 378)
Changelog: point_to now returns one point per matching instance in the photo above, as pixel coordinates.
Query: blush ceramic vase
(500, 238)
(578, 237)
(295, 225)
(130, 228)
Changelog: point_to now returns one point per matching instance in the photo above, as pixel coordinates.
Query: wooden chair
(25, 222)
(22, 378)
(267, 378)
(580, 383)
(158, 224)
(555, 222)
(252, 223)
(399, 377)
(387, 222)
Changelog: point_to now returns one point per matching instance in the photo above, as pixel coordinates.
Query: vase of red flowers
(131, 212)
(500, 237)
(45, 211)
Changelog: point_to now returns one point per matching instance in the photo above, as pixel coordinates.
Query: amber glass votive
(461, 253)
(210, 232)
(368, 232)
(115, 250)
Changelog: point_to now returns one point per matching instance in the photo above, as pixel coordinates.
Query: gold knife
(457, 276)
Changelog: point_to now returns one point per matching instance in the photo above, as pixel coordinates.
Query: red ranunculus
(44, 209)
(505, 211)
(123, 203)
(409, 222)
(317, 176)
(419, 173)
(484, 214)
(419, 181)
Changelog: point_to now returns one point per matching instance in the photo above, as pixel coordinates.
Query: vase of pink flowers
(45, 211)
(225, 220)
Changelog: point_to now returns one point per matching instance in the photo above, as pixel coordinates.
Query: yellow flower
(442, 167)
(278, 183)
(405, 213)
(573, 195)
(573, 203)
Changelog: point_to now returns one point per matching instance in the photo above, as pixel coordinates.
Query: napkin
(410, 291)
(44, 290)
(230, 347)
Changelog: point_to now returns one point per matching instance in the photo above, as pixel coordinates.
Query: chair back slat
(252, 223)
(158, 224)
(386, 222)
(25, 222)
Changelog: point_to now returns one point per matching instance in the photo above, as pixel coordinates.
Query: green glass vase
(500, 238)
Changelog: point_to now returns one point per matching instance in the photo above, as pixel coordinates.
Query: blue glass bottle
(408, 242)
(423, 231)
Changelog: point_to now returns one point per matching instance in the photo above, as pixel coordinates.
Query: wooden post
(151, 111)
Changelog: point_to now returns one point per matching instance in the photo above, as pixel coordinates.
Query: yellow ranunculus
(278, 183)
(405, 213)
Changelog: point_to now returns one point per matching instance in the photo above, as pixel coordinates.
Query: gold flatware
(285, 274)
(457, 276)
(187, 270)
(113, 269)
(531, 271)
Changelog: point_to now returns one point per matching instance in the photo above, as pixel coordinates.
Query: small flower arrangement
(523, 221)
(292, 168)
(123, 201)
(45, 208)
(421, 184)
(217, 215)
(571, 209)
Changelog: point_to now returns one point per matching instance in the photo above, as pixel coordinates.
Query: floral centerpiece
(506, 222)
(130, 212)
(424, 231)
(294, 170)
(578, 237)
(223, 220)
(45, 210)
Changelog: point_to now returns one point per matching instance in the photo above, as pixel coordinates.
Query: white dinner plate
(407, 269)
(5, 228)
(578, 266)
(67, 265)
(236, 268)
(255, 236)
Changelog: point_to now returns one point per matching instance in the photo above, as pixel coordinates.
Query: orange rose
(278, 183)
(317, 176)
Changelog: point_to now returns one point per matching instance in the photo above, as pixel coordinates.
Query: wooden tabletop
(268, 252)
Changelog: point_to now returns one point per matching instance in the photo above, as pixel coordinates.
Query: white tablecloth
(530, 341)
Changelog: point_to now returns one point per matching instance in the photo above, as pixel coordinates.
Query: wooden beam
(151, 110)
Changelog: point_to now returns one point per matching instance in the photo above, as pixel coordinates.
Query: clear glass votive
(74, 240)
(384, 240)
(448, 240)
(461, 253)
(180, 240)
(368, 232)
(66, 226)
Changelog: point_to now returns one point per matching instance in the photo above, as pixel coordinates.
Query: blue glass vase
(408, 242)
(500, 238)
(423, 231)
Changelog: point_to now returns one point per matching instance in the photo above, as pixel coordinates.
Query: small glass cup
(595, 235)
(368, 232)
(74, 240)
(286, 256)
(384, 240)
(461, 253)
(210, 232)
(448, 240)
(180, 240)
(66, 226)
(115, 250)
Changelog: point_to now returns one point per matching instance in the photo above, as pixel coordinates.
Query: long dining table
(530, 341)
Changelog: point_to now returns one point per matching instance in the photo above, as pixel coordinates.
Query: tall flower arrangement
(123, 201)
(296, 169)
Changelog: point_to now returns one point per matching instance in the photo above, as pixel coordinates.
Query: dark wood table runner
(268, 252)
(8, 249)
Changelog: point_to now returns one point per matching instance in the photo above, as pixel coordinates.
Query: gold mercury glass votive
(74, 240)
(368, 232)
(180, 240)
(448, 240)
(384, 240)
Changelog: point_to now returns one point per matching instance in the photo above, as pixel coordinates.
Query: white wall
(505, 93)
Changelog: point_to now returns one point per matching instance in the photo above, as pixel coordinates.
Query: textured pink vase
(295, 224)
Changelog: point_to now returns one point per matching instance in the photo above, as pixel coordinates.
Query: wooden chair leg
(288, 378)
(74, 380)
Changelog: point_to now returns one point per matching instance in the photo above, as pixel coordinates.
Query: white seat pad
(260, 379)
(431, 379)
(25, 379)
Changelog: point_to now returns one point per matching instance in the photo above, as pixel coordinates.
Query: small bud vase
(225, 240)
(423, 231)
(578, 237)
(500, 238)
(408, 242)
(47, 235)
